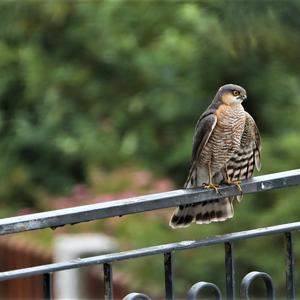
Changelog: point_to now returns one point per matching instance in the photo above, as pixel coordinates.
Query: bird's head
(231, 94)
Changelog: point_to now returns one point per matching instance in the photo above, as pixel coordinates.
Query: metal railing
(53, 219)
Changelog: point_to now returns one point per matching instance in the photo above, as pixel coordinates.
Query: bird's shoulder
(203, 130)
(251, 129)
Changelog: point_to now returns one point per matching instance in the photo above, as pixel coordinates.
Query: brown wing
(242, 163)
(204, 128)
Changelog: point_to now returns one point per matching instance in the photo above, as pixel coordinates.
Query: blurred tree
(88, 85)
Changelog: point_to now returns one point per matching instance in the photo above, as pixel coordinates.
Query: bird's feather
(203, 131)
(241, 165)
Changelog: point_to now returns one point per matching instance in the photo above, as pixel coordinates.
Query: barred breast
(226, 137)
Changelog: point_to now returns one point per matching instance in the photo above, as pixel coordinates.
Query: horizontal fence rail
(161, 249)
(79, 214)
(61, 217)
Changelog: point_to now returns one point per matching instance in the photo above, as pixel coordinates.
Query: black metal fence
(85, 213)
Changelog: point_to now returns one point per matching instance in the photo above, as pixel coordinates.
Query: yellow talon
(211, 186)
(236, 183)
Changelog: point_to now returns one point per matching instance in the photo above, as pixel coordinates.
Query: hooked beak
(243, 97)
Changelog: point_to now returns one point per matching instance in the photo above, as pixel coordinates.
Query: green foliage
(103, 84)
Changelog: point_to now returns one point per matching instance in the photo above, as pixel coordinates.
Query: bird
(226, 149)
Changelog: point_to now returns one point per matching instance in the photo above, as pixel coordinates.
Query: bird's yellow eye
(236, 93)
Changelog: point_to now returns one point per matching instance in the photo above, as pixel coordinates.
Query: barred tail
(202, 213)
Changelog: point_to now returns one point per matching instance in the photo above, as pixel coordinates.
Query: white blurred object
(71, 246)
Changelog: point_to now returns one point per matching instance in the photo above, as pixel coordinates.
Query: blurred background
(99, 99)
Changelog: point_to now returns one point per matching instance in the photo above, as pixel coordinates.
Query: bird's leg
(210, 185)
(228, 181)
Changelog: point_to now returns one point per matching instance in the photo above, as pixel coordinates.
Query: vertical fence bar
(230, 270)
(290, 266)
(168, 263)
(108, 289)
(47, 286)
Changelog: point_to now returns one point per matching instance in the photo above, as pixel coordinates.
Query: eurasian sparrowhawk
(226, 148)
